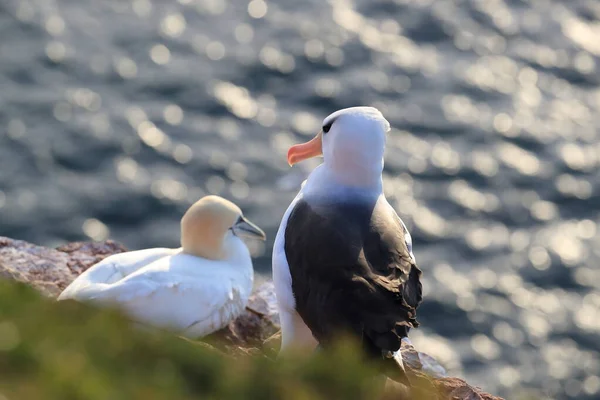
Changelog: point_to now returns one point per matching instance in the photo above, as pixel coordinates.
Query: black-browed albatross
(342, 260)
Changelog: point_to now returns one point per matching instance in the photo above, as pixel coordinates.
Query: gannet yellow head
(207, 222)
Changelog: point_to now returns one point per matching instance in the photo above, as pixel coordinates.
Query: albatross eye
(327, 127)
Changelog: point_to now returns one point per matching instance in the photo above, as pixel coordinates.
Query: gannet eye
(327, 127)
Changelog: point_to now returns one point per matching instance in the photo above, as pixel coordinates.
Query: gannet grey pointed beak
(245, 228)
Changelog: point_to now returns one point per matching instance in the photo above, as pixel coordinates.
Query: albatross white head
(352, 143)
(212, 221)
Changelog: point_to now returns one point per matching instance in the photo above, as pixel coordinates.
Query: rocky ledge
(255, 332)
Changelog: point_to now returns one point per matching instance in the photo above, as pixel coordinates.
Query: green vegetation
(71, 351)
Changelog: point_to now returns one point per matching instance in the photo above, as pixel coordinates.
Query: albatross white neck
(353, 173)
(327, 180)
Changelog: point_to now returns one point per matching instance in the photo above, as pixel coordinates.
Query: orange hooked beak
(304, 151)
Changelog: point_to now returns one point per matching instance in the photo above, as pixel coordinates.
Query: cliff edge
(256, 332)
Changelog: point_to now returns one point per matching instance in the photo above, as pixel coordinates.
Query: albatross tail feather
(394, 367)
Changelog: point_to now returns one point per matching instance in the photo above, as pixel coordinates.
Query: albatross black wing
(352, 273)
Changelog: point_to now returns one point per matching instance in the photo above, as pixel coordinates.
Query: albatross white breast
(193, 290)
(342, 261)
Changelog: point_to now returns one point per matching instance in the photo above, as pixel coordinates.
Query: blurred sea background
(116, 115)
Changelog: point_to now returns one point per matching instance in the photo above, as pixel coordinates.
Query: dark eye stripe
(327, 127)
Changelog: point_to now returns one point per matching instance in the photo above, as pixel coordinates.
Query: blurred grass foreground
(67, 350)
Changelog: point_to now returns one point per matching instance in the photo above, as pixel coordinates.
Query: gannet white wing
(193, 304)
(112, 269)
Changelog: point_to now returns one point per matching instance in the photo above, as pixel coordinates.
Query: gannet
(192, 290)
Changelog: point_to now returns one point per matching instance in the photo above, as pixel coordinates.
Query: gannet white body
(342, 259)
(193, 290)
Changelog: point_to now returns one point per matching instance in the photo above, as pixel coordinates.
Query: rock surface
(256, 331)
(50, 270)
